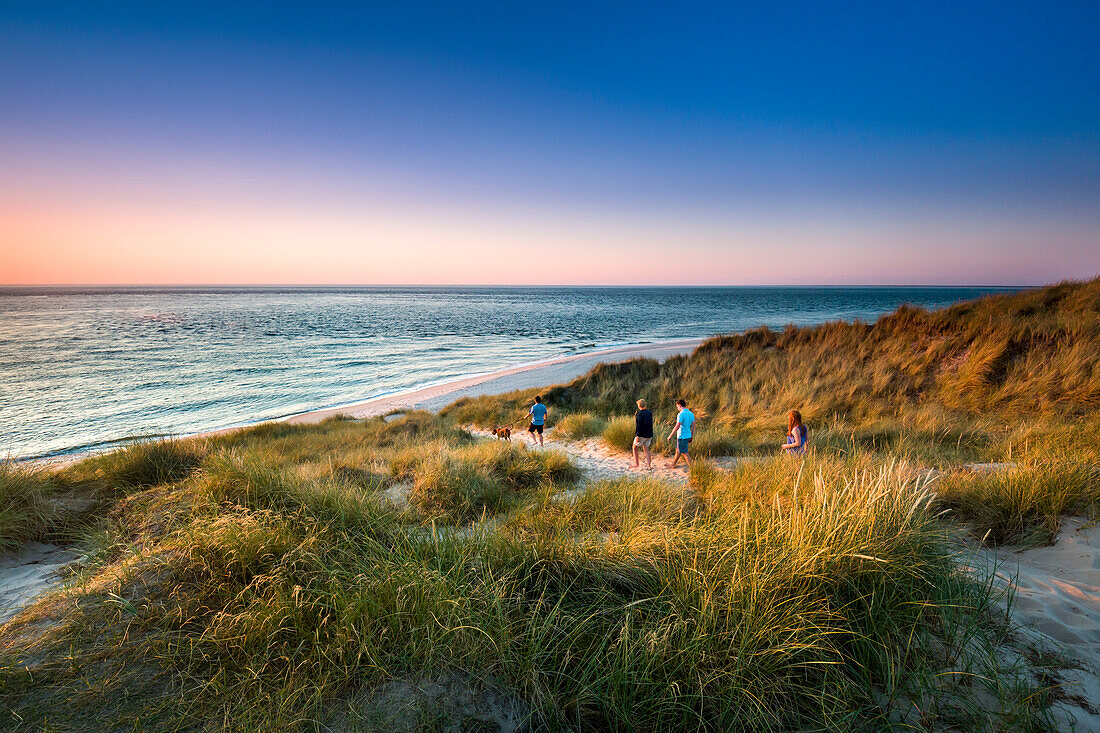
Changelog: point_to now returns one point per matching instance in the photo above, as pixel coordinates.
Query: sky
(771, 143)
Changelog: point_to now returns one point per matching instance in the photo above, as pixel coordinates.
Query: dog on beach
(504, 433)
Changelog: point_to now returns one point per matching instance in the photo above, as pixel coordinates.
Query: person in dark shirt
(643, 434)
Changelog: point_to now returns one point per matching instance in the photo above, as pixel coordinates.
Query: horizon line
(536, 285)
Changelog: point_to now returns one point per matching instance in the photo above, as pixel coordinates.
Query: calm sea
(81, 368)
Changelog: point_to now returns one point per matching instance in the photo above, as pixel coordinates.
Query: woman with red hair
(796, 434)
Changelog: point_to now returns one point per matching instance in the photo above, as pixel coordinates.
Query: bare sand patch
(29, 573)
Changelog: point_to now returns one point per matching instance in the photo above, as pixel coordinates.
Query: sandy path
(599, 462)
(1057, 597)
(29, 573)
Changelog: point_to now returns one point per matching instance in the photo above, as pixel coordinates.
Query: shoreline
(434, 397)
(544, 373)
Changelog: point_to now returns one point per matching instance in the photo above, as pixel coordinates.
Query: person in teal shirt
(537, 412)
(685, 421)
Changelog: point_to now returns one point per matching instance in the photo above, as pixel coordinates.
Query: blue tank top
(791, 440)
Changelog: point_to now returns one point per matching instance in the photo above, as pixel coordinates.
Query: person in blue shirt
(537, 412)
(685, 420)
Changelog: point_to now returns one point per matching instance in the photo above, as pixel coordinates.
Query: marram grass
(264, 601)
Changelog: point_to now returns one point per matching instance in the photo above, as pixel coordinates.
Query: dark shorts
(535, 429)
(682, 445)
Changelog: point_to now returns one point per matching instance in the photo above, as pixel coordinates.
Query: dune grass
(141, 464)
(580, 425)
(619, 433)
(484, 480)
(1022, 504)
(253, 596)
(26, 511)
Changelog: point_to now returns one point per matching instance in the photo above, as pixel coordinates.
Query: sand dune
(1056, 589)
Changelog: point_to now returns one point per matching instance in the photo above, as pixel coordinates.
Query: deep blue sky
(734, 130)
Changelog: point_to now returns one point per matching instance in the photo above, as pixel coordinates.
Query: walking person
(537, 413)
(643, 434)
(685, 419)
(796, 435)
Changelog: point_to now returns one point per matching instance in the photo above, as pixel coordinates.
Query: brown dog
(502, 433)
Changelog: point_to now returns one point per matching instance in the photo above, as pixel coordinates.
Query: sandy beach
(525, 376)
(433, 398)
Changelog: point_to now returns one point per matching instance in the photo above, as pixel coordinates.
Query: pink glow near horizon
(189, 227)
(425, 245)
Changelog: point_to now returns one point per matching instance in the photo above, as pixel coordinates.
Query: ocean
(84, 368)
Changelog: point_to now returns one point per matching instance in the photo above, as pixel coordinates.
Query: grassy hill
(970, 381)
(398, 573)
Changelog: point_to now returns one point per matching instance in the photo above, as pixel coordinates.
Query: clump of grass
(580, 425)
(778, 480)
(479, 480)
(26, 510)
(619, 433)
(622, 506)
(253, 480)
(459, 492)
(773, 617)
(143, 463)
(519, 467)
(1021, 504)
